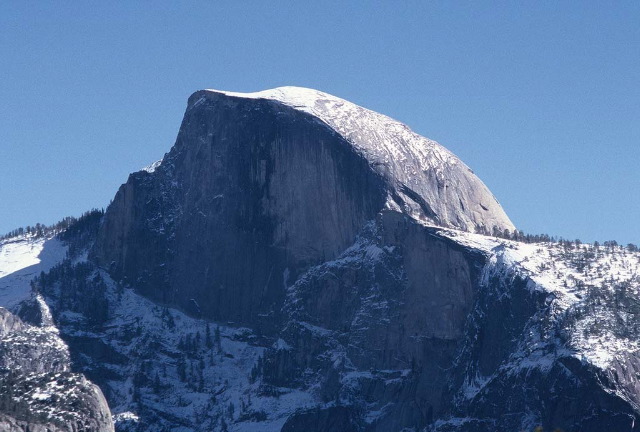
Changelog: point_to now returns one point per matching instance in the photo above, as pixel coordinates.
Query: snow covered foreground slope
(574, 362)
(576, 276)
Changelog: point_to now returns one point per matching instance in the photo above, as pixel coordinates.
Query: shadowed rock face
(251, 192)
(387, 317)
(256, 191)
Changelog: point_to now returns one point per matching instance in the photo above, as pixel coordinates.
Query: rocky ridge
(38, 390)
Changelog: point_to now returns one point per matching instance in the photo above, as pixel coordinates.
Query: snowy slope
(569, 273)
(161, 366)
(154, 375)
(21, 259)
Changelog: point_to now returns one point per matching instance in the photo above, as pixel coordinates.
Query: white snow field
(21, 259)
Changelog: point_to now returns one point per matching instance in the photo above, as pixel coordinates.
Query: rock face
(38, 391)
(382, 322)
(422, 178)
(261, 186)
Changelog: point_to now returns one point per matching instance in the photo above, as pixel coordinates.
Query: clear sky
(541, 100)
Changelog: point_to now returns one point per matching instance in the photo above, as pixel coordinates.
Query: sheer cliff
(259, 187)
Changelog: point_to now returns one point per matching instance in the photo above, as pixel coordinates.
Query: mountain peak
(285, 94)
(429, 182)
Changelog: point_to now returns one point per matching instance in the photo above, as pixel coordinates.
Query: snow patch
(151, 168)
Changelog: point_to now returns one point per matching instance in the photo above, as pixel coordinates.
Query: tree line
(520, 236)
(40, 230)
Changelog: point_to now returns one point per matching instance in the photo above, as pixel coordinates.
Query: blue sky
(540, 99)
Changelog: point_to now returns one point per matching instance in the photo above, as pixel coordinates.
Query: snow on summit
(431, 182)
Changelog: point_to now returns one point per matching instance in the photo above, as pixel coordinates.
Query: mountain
(299, 263)
(282, 180)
